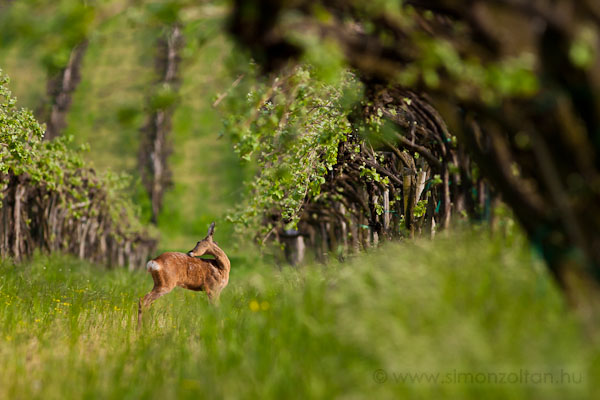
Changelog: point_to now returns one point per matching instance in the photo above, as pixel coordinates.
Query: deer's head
(205, 244)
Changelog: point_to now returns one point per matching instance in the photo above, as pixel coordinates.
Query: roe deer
(184, 270)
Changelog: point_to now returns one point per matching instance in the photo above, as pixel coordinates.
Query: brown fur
(188, 272)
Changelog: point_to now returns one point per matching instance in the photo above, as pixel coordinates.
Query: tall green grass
(464, 304)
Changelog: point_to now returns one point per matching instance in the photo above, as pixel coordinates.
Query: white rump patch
(152, 265)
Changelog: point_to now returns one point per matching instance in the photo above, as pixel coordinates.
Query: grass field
(463, 317)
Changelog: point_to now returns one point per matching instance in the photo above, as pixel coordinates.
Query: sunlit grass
(466, 304)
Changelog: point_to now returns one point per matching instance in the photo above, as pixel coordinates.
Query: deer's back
(178, 269)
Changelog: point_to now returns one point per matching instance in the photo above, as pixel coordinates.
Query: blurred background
(118, 79)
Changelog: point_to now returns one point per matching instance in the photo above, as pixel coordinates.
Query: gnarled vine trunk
(422, 194)
(60, 88)
(33, 216)
(155, 146)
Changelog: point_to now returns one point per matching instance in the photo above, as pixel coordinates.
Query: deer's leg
(139, 324)
(148, 299)
(209, 294)
(213, 296)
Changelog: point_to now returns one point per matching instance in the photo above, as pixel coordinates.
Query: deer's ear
(211, 230)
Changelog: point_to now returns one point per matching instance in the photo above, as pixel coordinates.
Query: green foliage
(56, 165)
(165, 96)
(420, 208)
(290, 130)
(439, 60)
(463, 303)
(17, 129)
(371, 174)
(50, 28)
(23, 152)
(583, 49)
(165, 12)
